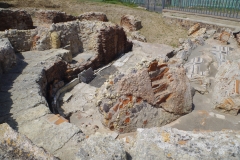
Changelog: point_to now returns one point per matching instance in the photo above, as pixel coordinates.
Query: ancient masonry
(18, 19)
(98, 42)
(193, 67)
(157, 91)
(221, 53)
(131, 88)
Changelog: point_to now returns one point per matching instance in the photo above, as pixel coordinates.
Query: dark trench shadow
(193, 106)
(129, 157)
(5, 5)
(6, 84)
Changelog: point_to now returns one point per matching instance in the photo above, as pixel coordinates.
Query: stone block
(224, 37)
(86, 76)
(7, 55)
(130, 23)
(55, 40)
(200, 32)
(13, 145)
(137, 36)
(193, 29)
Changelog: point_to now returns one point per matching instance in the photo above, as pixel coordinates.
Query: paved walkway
(203, 19)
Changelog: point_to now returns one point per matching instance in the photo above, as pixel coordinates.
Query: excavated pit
(87, 44)
(90, 44)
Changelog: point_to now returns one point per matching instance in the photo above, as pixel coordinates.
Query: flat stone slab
(48, 135)
(170, 143)
(13, 145)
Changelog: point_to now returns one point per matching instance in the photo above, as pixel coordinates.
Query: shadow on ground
(6, 84)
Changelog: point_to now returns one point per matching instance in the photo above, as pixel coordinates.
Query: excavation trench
(59, 75)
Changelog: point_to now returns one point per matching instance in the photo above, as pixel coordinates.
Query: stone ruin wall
(49, 17)
(21, 40)
(113, 42)
(76, 36)
(17, 19)
(93, 16)
(24, 37)
(188, 24)
(43, 17)
(104, 39)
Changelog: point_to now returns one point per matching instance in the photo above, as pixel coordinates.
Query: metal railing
(223, 8)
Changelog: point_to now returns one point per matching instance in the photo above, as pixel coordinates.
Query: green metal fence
(205, 3)
(223, 8)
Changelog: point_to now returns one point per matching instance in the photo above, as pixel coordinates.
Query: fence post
(163, 4)
(154, 5)
(148, 5)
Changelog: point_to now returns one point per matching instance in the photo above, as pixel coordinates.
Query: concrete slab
(48, 135)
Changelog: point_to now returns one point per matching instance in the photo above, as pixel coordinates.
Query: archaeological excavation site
(80, 87)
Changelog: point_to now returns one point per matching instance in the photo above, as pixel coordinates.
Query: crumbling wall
(15, 19)
(104, 38)
(51, 16)
(113, 42)
(187, 24)
(130, 23)
(226, 92)
(21, 40)
(93, 16)
(146, 97)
